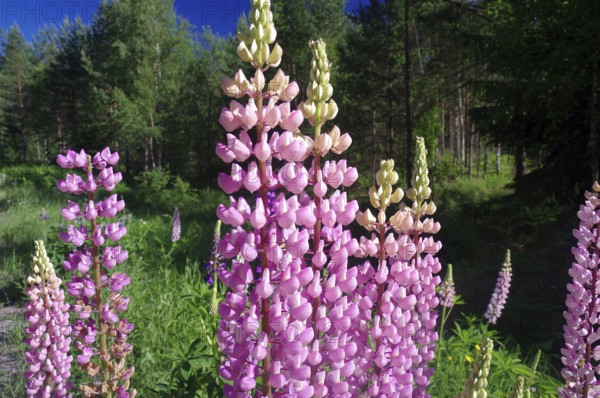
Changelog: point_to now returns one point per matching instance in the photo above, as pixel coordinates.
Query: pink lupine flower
(176, 227)
(72, 159)
(286, 255)
(580, 355)
(48, 332)
(101, 159)
(99, 336)
(398, 297)
(72, 183)
(498, 299)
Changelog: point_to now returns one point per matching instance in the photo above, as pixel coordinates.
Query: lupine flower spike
(404, 282)
(447, 293)
(476, 384)
(518, 390)
(99, 335)
(581, 353)
(48, 331)
(176, 227)
(287, 323)
(447, 289)
(212, 267)
(500, 295)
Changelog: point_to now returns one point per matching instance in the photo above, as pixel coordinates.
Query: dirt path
(10, 363)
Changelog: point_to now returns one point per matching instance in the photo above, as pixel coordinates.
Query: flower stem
(265, 303)
(591, 310)
(316, 239)
(380, 289)
(99, 304)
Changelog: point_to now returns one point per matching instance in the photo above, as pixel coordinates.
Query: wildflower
(290, 306)
(447, 289)
(475, 386)
(215, 261)
(404, 282)
(176, 227)
(43, 215)
(580, 354)
(498, 299)
(99, 335)
(48, 332)
(518, 390)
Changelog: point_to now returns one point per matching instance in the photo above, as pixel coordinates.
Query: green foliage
(457, 352)
(23, 197)
(159, 191)
(16, 62)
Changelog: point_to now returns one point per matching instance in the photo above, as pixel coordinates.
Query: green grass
(24, 192)
(175, 352)
(174, 336)
(456, 353)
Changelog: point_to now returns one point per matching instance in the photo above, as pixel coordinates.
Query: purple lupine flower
(43, 215)
(48, 333)
(100, 337)
(498, 299)
(581, 353)
(447, 289)
(288, 315)
(176, 227)
(215, 261)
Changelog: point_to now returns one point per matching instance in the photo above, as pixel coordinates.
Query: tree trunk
(520, 162)
(593, 125)
(452, 131)
(485, 160)
(409, 138)
(21, 95)
(498, 154)
(443, 133)
(151, 141)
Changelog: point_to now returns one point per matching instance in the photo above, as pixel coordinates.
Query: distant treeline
(477, 79)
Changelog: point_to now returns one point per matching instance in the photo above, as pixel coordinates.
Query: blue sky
(221, 15)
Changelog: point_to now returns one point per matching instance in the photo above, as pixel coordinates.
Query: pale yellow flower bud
(323, 143)
(274, 59)
(260, 34)
(431, 208)
(332, 110)
(236, 87)
(476, 384)
(43, 270)
(319, 91)
(244, 53)
(308, 109)
(381, 217)
(397, 195)
(366, 219)
(259, 80)
(374, 197)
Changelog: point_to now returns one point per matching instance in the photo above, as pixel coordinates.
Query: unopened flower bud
(274, 59)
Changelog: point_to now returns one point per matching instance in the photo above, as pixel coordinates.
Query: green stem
(104, 360)
(316, 302)
(380, 289)
(264, 262)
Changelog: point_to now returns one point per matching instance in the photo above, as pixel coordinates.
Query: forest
(477, 79)
(504, 93)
